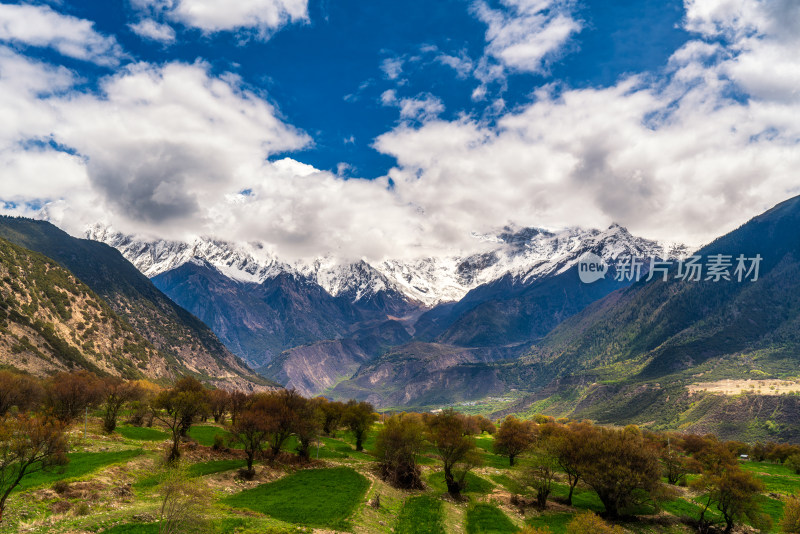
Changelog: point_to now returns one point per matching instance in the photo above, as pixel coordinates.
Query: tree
(455, 449)
(117, 393)
(620, 467)
(28, 444)
(282, 410)
(176, 408)
(252, 431)
(238, 400)
(790, 522)
(219, 401)
(513, 438)
(541, 473)
(184, 503)
(399, 441)
(734, 492)
(568, 445)
(192, 411)
(68, 395)
(332, 414)
(793, 463)
(359, 417)
(18, 390)
(676, 464)
(308, 423)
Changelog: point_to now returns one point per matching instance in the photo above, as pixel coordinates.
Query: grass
(556, 523)
(141, 433)
(80, 464)
(204, 435)
(314, 497)
(421, 515)
(475, 484)
(488, 519)
(214, 466)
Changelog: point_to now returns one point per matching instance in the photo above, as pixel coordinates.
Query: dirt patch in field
(737, 387)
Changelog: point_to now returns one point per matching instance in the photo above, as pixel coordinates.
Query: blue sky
(325, 74)
(396, 128)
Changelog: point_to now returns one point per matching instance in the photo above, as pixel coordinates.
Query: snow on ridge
(525, 254)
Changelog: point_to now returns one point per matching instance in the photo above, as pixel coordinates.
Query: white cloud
(677, 160)
(423, 107)
(210, 16)
(150, 29)
(392, 67)
(524, 36)
(70, 36)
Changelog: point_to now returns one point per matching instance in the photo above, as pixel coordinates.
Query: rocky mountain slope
(50, 321)
(183, 339)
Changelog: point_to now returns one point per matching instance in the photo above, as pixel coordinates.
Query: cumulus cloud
(70, 36)
(524, 35)
(679, 158)
(423, 107)
(174, 151)
(154, 31)
(210, 16)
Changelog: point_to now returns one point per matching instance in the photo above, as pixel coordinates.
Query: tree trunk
(511, 460)
(571, 490)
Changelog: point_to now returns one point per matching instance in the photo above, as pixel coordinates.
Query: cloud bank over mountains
(178, 149)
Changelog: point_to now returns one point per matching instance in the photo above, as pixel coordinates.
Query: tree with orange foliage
(67, 395)
(514, 437)
(28, 444)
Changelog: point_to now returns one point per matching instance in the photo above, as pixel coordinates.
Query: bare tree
(184, 503)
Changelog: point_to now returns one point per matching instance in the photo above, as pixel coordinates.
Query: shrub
(790, 522)
(591, 523)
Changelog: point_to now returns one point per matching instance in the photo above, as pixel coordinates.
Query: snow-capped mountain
(524, 254)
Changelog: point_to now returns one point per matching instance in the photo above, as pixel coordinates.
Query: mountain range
(313, 324)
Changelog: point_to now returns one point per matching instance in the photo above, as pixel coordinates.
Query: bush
(219, 442)
(791, 515)
(793, 463)
(591, 523)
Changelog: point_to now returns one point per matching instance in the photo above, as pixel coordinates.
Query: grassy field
(421, 515)
(314, 497)
(111, 485)
(488, 519)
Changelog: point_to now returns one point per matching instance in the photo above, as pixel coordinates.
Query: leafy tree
(192, 411)
(184, 502)
(219, 401)
(734, 493)
(793, 463)
(282, 409)
(446, 431)
(251, 429)
(308, 424)
(332, 414)
(540, 473)
(117, 393)
(620, 467)
(18, 390)
(176, 409)
(399, 441)
(28, 444)
(359, 417)
(67, 395)
(513, 438)
(676, 464)
(790, 522)
(238, 400)
(568, 445)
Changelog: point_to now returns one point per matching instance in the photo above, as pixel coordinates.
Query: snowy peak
(523, 253)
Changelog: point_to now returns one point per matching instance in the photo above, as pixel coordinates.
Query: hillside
(50, 321)
(645, 345)
(182, 338)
